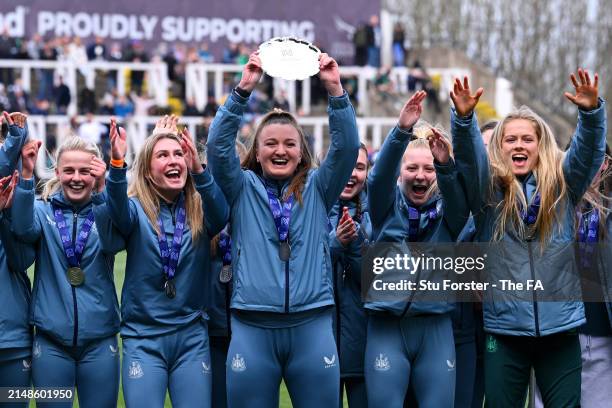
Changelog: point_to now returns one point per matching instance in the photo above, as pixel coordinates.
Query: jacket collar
(529, 184)
(277, 185)
(430, 203)
(61, 201)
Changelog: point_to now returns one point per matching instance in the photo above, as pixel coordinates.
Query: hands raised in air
(462, 97)
(191, 154)
(167, 124)
(98, 170)
(586, 97)
(411, 112)
(29, 154)
(329, 74)
(251, 73)
(7, 187)
(439, 146)
(118, 139)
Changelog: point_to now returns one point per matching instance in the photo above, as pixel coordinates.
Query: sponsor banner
(329, 25)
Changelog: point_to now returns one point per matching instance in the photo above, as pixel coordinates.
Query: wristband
(242, 92)
(117, 163)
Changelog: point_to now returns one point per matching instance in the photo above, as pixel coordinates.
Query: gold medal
(75, 275)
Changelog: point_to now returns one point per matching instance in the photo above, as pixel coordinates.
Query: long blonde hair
(250, 162)
(142, 187)
(548, 172)
(421, 133)
(70, 144)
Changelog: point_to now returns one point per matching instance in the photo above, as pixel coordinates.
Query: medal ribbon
(170, 256)
(225, 246)
(73, 253)
(530, 216)
(414, 219)
(281, 211)
(588, 234)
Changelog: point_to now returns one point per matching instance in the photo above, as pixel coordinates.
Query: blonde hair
(70, 144)
(250, 162)
(144, 189)
(548, 172)
(421, 134)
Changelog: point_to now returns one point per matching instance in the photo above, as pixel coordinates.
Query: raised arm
(214, 205)
(10, 150)
(455, 209)
(123, 215)
(111, 241)
(587, 149)
(382, 180)
(24, 222)
(221, 145)
(471, 158)
(19, 254)
(337, 167)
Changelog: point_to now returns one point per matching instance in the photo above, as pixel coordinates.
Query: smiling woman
(74, 172)
(167, 217)
(74, 307)
(281, 151)
(524, 193)
(282, 294)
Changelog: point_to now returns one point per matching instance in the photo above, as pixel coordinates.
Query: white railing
(198, 87)
(137, 129)
(157, 73)
(198, 84)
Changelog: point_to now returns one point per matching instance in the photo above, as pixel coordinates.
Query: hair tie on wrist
(117, 163)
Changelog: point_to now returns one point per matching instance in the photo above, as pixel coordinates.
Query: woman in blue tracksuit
(219, 326)
(15, 330)
(283, 291)
(350, 236)
(167, 217)
(411, 343)
(74, 305)
(525, 202)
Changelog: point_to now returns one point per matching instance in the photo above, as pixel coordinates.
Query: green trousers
(555, 359)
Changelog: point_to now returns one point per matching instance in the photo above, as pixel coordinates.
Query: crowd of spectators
(49, 94)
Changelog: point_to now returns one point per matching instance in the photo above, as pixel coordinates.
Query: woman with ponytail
(282, 281)
(410, 340)
(74, 304)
